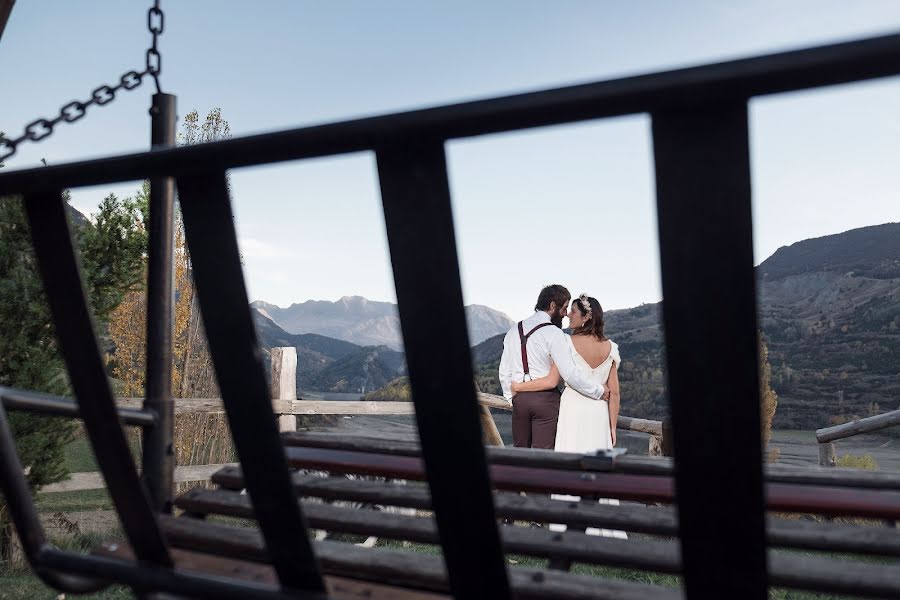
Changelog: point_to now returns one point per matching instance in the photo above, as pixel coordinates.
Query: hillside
(329, 365)
(830, 308)
(830, 311)
(368, 323)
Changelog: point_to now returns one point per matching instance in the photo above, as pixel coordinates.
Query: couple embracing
(537, 353)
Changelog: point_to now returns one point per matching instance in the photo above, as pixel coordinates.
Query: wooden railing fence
(828, 435)
(287, 407)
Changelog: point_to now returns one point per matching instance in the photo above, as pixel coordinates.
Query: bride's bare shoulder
(590, 343)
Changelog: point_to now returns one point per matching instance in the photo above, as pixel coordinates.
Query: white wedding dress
(583, 425)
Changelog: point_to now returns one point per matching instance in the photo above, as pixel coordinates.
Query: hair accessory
(586, 305)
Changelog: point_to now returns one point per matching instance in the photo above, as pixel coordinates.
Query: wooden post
(668, 449)
(284, 383)
(661, 444)
(490, 435)
(827, 457)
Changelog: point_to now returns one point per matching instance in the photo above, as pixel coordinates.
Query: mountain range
(330, 365)
(368, 322)
(829, 310)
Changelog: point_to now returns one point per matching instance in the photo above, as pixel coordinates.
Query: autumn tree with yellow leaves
(192, 373)
(200, 438)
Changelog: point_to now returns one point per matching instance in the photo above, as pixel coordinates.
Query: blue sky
(572, 205)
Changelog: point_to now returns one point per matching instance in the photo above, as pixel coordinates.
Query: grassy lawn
(79, 459)
(21, 584)
(73, 501)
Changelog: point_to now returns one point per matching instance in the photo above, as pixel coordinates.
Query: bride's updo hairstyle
(591, 310)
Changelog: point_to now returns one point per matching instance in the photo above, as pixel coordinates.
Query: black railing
(703, 198)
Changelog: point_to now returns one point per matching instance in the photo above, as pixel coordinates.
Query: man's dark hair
(552, 293)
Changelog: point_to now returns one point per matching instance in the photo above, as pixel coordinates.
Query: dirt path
(87, 521)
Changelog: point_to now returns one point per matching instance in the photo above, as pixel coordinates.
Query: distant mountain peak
(368, 322)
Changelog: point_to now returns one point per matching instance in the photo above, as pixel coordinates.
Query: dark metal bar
(419, 219)
(709, 318)
(72, 320)
(734, 80)
(159, 453)
(6, 7)
(212, 241)
(13, 399)
(19, 503)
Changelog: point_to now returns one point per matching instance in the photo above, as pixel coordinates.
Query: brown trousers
(534, 419)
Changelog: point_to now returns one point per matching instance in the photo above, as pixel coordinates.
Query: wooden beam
(642, 425)
(867, 425)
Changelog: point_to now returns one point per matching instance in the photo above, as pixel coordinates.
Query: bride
(585, 425)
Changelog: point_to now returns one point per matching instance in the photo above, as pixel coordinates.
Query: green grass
(73, 501)
(22, 585)
(79, 457)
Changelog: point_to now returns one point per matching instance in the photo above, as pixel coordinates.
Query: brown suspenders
(523, 338)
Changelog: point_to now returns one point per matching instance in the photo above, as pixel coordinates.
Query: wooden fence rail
(287, 407)
(827, 435)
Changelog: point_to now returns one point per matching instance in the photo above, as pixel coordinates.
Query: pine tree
(110, 252)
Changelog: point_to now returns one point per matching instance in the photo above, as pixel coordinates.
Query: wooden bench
(322, 462)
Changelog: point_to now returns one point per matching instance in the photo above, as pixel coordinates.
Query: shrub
(866, 461)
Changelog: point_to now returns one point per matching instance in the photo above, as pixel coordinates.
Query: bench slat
(409, 569)
(785, 569)
(539, 543)
(826, 500)
(339, 588)
(787, 533)
(629, 464)
(660, 521)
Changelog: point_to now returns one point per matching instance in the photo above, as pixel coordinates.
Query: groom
(528, 350)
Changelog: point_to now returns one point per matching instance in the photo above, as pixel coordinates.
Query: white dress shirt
(546, 345)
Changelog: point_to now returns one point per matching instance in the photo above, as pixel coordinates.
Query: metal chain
(40, 129)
